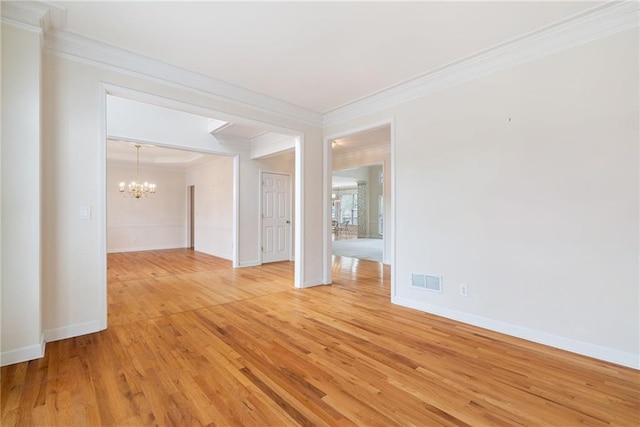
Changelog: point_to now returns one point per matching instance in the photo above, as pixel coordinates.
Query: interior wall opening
(357, 212)
(360, 194)
(178, 144)
(191, 207)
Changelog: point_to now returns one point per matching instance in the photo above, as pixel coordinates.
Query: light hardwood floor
(192, 341)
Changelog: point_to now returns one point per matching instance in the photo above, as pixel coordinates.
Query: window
(349, 208)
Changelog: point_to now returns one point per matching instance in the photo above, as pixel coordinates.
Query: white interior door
(276, 217)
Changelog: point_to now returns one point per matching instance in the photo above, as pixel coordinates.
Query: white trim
(25, 14)
(391, 225)
(268, 138)
(92, 52)
(260, 185)
(578, 29)
(151, 248)
(369, 126)
(103, 304)
(314, 282)
(146, 225)
(220, 255)
(185, 107)
(233, 141)
(236, 212)
(266, 149)
(230, 147)
(23, 354)
(22, 25)
(72, 331)
(327, 190)
(586, 349)
(253, 263)
(298, 276)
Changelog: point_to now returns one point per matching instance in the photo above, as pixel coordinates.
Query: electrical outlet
(463, 290)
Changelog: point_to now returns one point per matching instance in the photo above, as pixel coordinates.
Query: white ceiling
(150, 155)
(318, 55)
(377, 137)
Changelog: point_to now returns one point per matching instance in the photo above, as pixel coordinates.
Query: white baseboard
(253, 263)
(144, 248)
(586, 349)
(216, 254)
(312, 283)
(72, 331)
(23, 354)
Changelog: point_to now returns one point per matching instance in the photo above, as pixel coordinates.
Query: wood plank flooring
(193, 342)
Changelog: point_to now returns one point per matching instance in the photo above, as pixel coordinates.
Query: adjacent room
(188, 202)
(357, 214)
(360, 197)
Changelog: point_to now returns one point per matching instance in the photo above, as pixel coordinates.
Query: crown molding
(269, 138)
(32, 15)
(50, 19)
(234, 141)
(578, 29)
(27, 14)
(82, 49)
(271, 144)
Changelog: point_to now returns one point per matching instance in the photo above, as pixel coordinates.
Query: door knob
(288, 222)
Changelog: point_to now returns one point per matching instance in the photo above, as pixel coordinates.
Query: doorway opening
(129, 119)
(359, 195)
(357, 213)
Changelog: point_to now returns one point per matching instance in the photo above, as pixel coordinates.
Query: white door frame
(291, 211)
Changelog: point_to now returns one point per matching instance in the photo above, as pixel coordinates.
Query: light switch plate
(85, 212)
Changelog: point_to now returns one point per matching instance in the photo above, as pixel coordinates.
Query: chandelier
(136, 188)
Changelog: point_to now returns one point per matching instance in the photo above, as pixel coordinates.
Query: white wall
(157, 222)
(213, 207)
(21, 335)
(524, 185)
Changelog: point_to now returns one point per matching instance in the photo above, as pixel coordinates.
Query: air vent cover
(426, 281)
